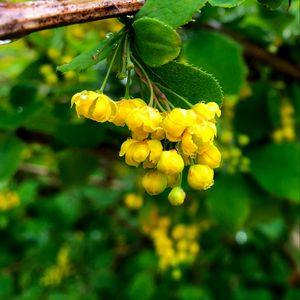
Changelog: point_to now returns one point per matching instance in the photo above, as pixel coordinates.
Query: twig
(19, 19)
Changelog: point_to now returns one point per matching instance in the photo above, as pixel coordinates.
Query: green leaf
(229, 200)
(16, 119)
(271, 230)
(23, 93)
(225, 3)
(6, 286)
(101, 197)
(75, 166)
(271, 4)
(10, 156)
(186, 81)
(157, 43)
(87, 134)
(142, 287)
(193, 293)
(203, 50)
(255, 293)
(90, 57)
(173, 12)
(274, 105)
(255, 105)
(276, 168)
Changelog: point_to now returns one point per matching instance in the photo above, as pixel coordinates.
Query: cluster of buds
(54, 275)
(162, 142)
(175, 246)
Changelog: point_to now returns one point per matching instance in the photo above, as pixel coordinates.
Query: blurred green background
(74, 221)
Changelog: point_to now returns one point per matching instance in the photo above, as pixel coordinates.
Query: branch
(19, 19)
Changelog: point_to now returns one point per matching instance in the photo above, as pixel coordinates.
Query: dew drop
(241, 237)
(109, 35)
(20, 109)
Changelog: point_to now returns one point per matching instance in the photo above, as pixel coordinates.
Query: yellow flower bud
(207, 111)
(176, 274)
(124, 107)
(226, 136)
(243, 139)
(154, 182)
(173, 180)
(170, 162)
(178, 232)
(176, 122)
(210, 156)
(176, 196)
(133, 201)
(200, 177)
(194, 248)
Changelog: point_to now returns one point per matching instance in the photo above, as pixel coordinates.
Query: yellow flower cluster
(54, 275)
(230, 144)
(8, 200)
(287, 131)
(175, 246)
(187, 136)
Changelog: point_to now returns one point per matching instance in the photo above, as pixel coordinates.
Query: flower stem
(127, 91)
(110, 67)
(147, 78)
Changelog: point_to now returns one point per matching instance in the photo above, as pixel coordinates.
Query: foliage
(74, 220)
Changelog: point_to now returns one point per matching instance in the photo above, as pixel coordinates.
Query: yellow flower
(178, 231)
(97, 107)
(156, 150)
(143, 120)
(200, 177)
(104, 109)
(176, 122)
(124, 107)
(197, 136)
(188, 146)
(176, 196)
(83, 101)
(154, 182)
(170, 162)
(194, 248)
(133, 201)
(203, 132)
(207, 111)
(136, 152)
(209, 156)
(158, 134)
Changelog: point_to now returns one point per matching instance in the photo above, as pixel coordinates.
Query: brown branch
(19, 19)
